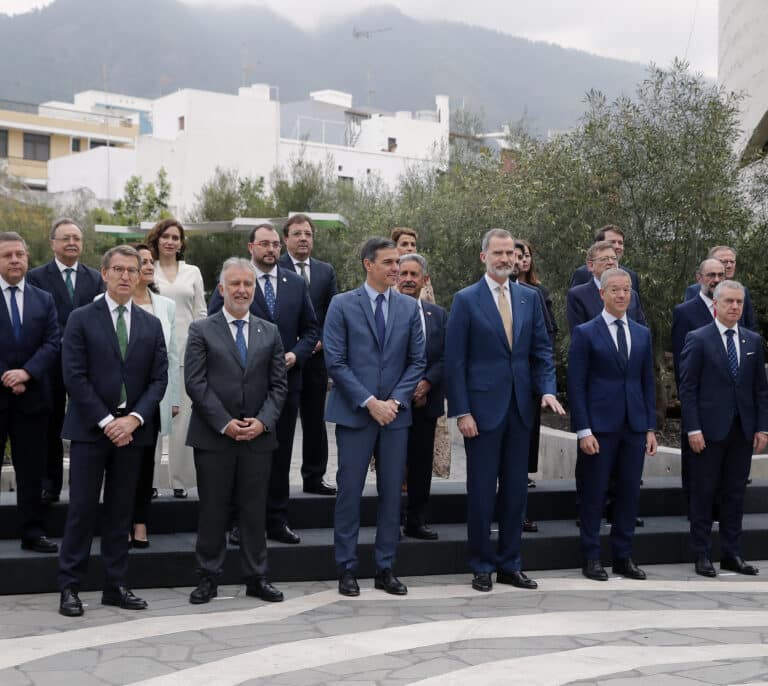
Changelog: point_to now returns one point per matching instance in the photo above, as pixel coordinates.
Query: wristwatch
(399, 404)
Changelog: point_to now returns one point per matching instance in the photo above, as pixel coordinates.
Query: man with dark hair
(615, 236)
(374, 351)
(299, 236)
(115, 371)
(282, 297)
(29, 348)
(72, 285)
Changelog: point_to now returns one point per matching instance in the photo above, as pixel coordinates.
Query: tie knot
(380, 298)
(121, 309)
(68, 270)
(239, 323)
(729, 332)
(619, 322)
(13, 289)
(302, 264)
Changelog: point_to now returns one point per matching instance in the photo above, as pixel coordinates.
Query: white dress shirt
(233, 329)
(63, 267)
(307, 269)
(709, 303)
(19, 296)
(272, 274)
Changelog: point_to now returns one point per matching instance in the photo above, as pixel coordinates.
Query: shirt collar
(297, 261)
(4, 284)
(609, 318)
(112, 305)
(63, 266)
(373, 293)
(231, 318)
(707, 300)
(493, 285)
(596, 281)
(272, 272)
(722, 328)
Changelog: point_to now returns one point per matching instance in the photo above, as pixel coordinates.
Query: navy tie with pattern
(242, 348)
(269, 295)
(733, 359)
(68, 283)
(15, 314)
(378, 317)
(621, 340)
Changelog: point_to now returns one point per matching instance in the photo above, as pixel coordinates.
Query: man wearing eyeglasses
(115, 372)
(283, 299)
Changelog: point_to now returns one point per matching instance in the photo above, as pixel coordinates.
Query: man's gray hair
(12, 237)
(235, 263)
(700, 269)
(60, 222)
(726, 284)
(608, 274)
(125, 250)
(420, 260)
(493, 233)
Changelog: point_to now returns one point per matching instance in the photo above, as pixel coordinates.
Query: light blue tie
(242, 348)
(269, 296)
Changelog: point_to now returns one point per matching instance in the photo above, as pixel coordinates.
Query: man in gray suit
(234, 371)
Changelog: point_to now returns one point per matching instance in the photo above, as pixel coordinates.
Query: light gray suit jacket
(222, 390)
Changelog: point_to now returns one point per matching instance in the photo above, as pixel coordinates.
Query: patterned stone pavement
(675, 629)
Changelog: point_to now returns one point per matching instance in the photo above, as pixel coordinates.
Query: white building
(191, 132)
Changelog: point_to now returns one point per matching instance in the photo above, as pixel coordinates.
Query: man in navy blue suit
(613, 412)
(583, 303)
(72, 285)
(115, 370)
(283, 299)
(299, 236)
(724, 401)
(727, 256)
(499, 358)
(29, 348)
(374, 351)
(428, 398)
(615, 236)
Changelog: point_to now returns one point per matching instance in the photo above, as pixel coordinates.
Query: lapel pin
(285, 280)
(522, 302)
(429, 314)
(258, 330)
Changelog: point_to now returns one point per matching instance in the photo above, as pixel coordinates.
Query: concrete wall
(102, 170)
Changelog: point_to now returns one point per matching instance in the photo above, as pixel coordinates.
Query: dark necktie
(304, 272)
(122, 339)
(15, 315)
(621, 340)
(733, 358)
(242, 348)
(378, 317)
(68, 283)
(269, 296)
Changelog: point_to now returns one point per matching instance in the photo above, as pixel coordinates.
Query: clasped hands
(245, 429)
(383, 411)
(120, 430)
(16, 380)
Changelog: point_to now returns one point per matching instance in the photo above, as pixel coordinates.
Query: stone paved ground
(675, 629)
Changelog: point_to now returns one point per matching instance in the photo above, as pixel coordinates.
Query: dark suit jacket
(222, 390)
(748, 318)
(583, 275)
(709, 397)
(94, 371)
(36, 352)
(294, 316)
(604, 392)
(322, 284)
(88, 284)
(686, 317)
(481, 367)
(583, 303)
(434, 322)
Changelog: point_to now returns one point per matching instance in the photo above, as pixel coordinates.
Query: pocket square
(752, 353)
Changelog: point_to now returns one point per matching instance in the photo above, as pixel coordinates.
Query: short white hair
(235, 263)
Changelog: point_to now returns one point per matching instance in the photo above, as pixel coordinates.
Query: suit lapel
(58, 283)
(519, 298)
(111, 333)
(260, 302)
(602, 326)
(137, 329)
(487, 306)
(393, 311)
(365, 304)
(83, 279)
(716, 340)
(254, 340)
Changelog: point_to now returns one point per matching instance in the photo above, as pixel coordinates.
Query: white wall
(104, 171)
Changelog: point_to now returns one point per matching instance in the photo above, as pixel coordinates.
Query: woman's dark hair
(143, 246)
(531, 278)
(153, 237)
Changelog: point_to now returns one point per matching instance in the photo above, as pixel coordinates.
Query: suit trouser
(421, 444)
(143, 495)
(181, 462)
(620, 462)
(54, 464)
(314, 444)
(498, 456)
(533, 444)
(279, 478)
(27, 435)
(244, 472)
(720, 470)
(89, 465)
(355, 447)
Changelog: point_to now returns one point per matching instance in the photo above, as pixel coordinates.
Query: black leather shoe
(321, 488)
(155, 493)
(704, 566)
(234, 536)
(530, 527)
(517, 578)
(421, 531)
(481, 581)
(39, 545)
(737, 564)
(70, 605)
(49, 497)
(261, 588)
(531, 483)
(348, 585)
(179, 493)
(592, 569)
(386, 581)
(627, 568)
(283, 534)
(639, 522)
(124, 598)
(138, 543)
(206, 589)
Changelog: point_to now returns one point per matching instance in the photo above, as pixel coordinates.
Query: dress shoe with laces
(261, 588)
(40, 544)
(704, 566)
(530, 527)
(179, 492)
(516, 578)
(234, 536)
(386, 581)
(481, 581)
(123, 598)
(319, 488)
(206, 589)
(420, 531)
(737, 564)
(593, 569)
(70, 605)
(348, 585)
(49, 497)
(283, 534)
(627, 568)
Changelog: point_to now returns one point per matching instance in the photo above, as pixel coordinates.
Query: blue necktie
(269, 295)
(733, 359)
(15, 315)
(621, 341)
(242, 348)
(378, 317)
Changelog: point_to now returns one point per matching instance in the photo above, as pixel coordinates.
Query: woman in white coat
(182, 283)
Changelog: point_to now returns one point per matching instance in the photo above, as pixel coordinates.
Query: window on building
(181, 123)
(391, 144)
(95, 143)
(346, 180)
(3, 143)
(37, 147)
(75, 145)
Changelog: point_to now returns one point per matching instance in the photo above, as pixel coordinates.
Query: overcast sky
(644, 31)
